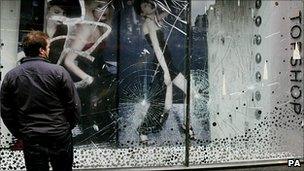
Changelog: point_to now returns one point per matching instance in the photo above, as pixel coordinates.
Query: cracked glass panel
(127, 59)
(152, 83)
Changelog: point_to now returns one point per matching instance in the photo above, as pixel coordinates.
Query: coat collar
(36, 58)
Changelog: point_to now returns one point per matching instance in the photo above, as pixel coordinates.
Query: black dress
(156, 115)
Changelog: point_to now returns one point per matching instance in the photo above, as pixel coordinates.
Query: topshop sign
(296, 72)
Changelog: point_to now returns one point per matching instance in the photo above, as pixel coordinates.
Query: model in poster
(78, 30)
(84, 34)
(152, 30)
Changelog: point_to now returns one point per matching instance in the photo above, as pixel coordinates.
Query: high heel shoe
(143, 138)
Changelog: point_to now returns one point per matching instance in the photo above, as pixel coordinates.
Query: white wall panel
(10, 13)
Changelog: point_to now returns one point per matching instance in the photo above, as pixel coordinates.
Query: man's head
(144, 7)
(36, 43)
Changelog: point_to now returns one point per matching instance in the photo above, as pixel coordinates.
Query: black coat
(39, 99)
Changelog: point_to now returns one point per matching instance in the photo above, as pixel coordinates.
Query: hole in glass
(258, 4)
(258, 76)
(258, 21)
(258, 39)
(258, 95)
(276, 3)
(258, 58)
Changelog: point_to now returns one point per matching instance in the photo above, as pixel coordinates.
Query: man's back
(38, 97)
(40, 106)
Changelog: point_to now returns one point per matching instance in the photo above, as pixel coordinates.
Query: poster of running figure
(81, 42)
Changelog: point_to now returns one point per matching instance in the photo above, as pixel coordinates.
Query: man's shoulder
(51, 67)
(44, 67)
(13, 72)
(54, 69)
(54, 66)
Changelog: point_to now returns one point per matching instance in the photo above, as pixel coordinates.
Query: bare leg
(181, 82)
(69, 62)
(82, 35)
(168, 99)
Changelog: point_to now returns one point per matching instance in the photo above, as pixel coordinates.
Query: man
(40, 106)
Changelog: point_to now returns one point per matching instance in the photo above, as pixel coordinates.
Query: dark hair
(33, 41)
(137, 6)
(71, 8)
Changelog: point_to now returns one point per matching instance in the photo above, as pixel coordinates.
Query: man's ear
(41, 51)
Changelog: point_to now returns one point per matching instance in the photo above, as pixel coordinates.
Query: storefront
(235, 68)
